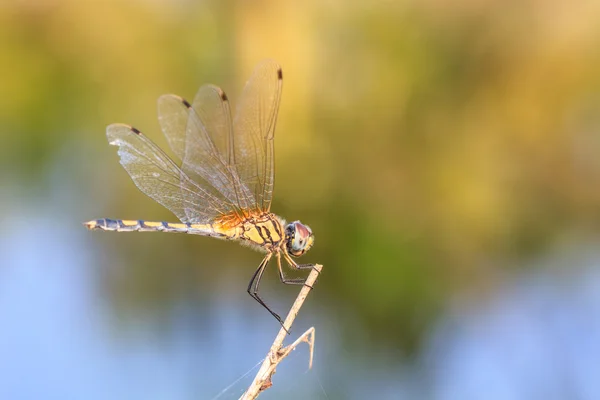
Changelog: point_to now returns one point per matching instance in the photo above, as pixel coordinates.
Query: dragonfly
(223, 186)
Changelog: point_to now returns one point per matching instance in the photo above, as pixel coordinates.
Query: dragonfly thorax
(264, 232)
(299, 238)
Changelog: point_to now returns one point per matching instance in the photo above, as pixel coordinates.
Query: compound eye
(301, 239)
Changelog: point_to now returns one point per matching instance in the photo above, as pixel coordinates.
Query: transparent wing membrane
(226, 167)
(155, 174)
(211, 115)
(212, 108)
(191, 142)
(254, 129)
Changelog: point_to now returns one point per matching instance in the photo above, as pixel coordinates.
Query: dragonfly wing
(212, 108)
(200, 135)
(254, 129)
(156, 175)
(212, 117)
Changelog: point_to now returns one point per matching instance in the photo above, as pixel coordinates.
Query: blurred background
(445, 155)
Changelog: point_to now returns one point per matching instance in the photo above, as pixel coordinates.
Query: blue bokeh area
(536, 337)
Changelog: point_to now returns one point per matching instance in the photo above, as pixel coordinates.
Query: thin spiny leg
(255, 283)
(305, 266)
(295, 265)
(292, 281)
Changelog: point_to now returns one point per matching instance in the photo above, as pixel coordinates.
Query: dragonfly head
(299, 238)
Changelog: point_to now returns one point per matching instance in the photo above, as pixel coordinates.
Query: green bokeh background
(434, 148)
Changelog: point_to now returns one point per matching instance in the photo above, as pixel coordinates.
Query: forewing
(254, 129)
(211, 118)
(212, 108)
(156, 175)
(200, 135)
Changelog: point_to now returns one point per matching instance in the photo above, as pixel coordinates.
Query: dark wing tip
(279, 74)
(135, 130)
(185, 103)
(223, 96)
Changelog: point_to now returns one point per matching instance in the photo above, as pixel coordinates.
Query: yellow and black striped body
(124, 225)
(264, 232)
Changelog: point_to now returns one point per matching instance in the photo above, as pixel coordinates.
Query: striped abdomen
(119, 225)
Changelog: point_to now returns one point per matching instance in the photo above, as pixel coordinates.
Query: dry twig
(277, 353)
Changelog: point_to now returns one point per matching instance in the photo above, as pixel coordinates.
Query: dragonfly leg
(288, 281)
(255, 283)
(305, 266)
(295, 265)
